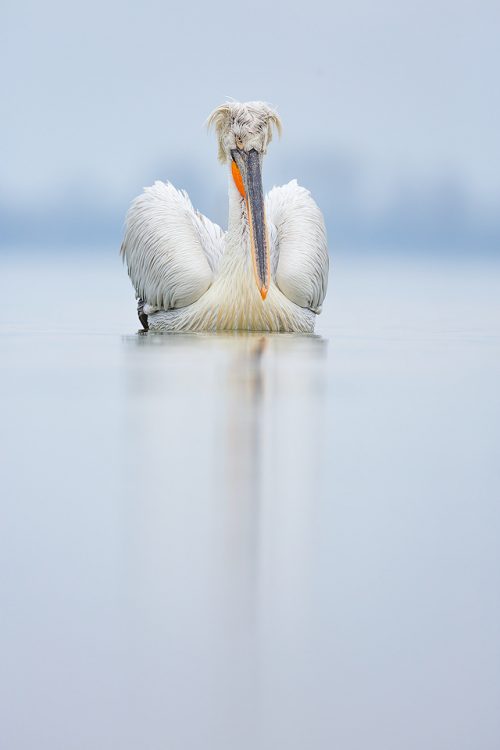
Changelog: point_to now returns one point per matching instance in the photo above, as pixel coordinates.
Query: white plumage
(268, 272)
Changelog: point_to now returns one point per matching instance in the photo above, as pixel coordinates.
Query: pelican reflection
(222, 474)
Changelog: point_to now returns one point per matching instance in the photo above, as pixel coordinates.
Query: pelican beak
(247, 174)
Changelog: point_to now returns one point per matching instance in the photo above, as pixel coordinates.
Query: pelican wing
(171, 250)
(299, 249)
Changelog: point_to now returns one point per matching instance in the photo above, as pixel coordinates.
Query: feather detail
(191, 276)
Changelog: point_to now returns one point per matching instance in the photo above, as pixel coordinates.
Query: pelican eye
(239, 143)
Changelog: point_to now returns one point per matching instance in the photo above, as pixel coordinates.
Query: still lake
(250, 541)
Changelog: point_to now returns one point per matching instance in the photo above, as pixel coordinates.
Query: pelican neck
(237, 220)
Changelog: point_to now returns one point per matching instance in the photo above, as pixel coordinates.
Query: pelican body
(267, 272)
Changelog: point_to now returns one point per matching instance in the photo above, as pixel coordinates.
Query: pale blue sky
(97, 93)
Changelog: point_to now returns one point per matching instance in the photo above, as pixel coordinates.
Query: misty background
(391, 115)
(251, 541)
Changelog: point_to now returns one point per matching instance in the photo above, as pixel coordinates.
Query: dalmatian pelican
(267, 272)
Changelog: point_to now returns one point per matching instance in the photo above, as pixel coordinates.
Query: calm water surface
(251, 541)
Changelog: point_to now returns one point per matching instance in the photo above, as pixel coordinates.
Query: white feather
(172, 251)
(300, 248)
(190, 275)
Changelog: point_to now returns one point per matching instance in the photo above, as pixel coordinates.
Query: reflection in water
(241, 403)
(252, 389)
(223, 476)
(236, 542)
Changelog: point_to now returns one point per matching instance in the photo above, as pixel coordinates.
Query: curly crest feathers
(218, 119)
(249, 123)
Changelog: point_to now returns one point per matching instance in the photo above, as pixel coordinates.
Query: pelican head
(244, 131)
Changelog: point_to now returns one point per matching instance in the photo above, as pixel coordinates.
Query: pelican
(267, 272)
